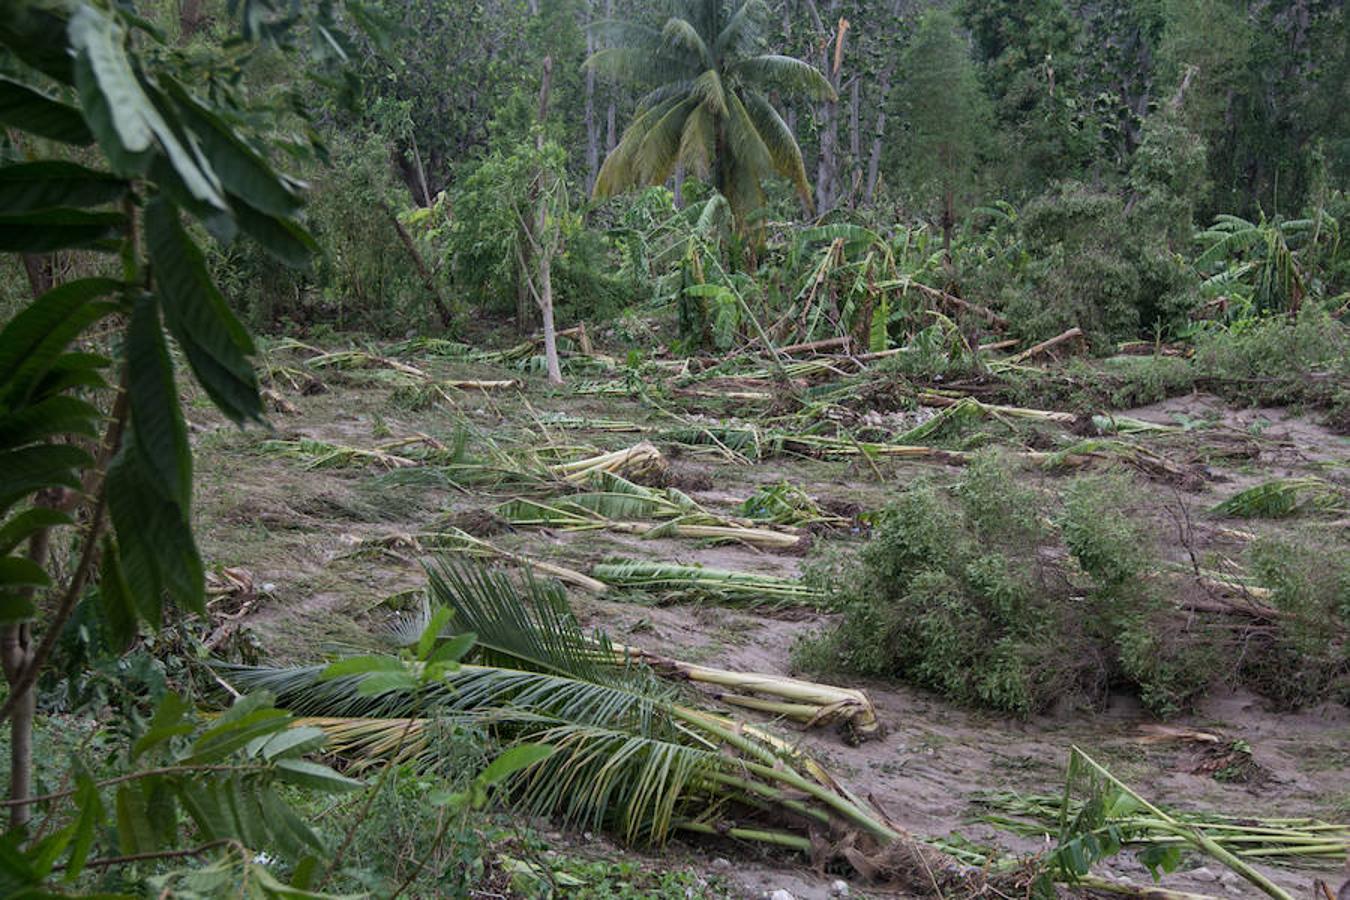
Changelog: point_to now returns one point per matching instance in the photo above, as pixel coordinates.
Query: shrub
(988, 594)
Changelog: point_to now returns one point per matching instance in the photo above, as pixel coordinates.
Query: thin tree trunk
(611, 118)
(442, 308)
(16, 655)
(592, 126)
(878, 138)
(543, 247)
(854, 136)
(421, 172)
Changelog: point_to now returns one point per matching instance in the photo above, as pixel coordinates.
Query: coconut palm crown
(707, 108)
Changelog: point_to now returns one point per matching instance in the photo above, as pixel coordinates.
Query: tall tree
(944, 115)
(707, 108)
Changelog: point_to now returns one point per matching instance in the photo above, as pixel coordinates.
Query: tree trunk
(611, 119)
(442, 308)
(854, 136)
(16, 656)
(592, 126)
(948, 223)
(827, 166)
(878, 139)
(543, 246)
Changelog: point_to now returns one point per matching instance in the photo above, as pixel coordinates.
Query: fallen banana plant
(740, 588)
(786, 504)
(638, 460)
(618, 501)
(405, 546)
(631, 754)
(1283, 497)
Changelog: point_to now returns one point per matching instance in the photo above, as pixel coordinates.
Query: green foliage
(966, 591)
(708, 107)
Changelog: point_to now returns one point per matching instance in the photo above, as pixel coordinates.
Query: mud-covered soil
(295, 528)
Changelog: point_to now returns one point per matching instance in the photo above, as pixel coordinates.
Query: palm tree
(707, 107)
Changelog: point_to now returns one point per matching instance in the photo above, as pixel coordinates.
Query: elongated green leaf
(362, 665)
(89, 816)
(216, 344)
(124, 119)
(18, 529)
(282, 238)
(292, 834)
(219, 742)
(160, 431)
(45, 230)
(168, 722)
(312, 775)
(154, 537)
(293, 742)
(55, 415)
(29, 110)
(53, 183)
(40, 466)
(20, 571)
(514, 760)
(242, 171)
(35, 337)
(134, 832)
(115, 600)
(36, 34)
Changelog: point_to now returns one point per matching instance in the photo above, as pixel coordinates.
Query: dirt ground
(295, 529)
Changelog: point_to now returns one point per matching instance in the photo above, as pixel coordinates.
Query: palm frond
(779, 141)
(784, 73)
(743, 32)
(680, 35)
(707, 90)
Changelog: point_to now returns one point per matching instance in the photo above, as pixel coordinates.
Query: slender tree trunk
(827, 167)
(592, 126)
(429, 279)
(421, 172)
(16, 655)
(948, 224)
(854, 137)
(611, 117)
(878, 139)
(543, 246)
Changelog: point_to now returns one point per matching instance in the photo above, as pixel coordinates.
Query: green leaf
(166, 724)
(291, 833)
(1160, 859)
(29, 110)
(134, 834)
(25, 187)
(34, 338)
(20, 571)
(361, 665)
(115, 599)
(15, 607)
(160, 433)
(59, 229)
(216, 344)
(40, 466)
(242, 170)
(384, 682)
(17, 529)
(435, 623)
(219, 742)
(54, 415)
(89, 816)
(154, 536)
(282, 238)
(36, 34)
(514, 760)
(294, 742)
(312, 775)
(126, 122)
(454, 649)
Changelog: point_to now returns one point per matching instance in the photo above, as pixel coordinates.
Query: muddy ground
(293, 530)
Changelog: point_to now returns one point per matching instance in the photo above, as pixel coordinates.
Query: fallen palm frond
(563, 420)
(630, 754)
(1292, 841)
(1086, 452)
(1283, 497)
(746, 588)
(405, 545)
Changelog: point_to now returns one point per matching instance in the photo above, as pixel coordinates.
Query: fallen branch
(1043, 346)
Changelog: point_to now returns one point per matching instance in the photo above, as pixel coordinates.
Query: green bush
(988, 594)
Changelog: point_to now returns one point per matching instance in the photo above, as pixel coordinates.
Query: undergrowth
(994, 593)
